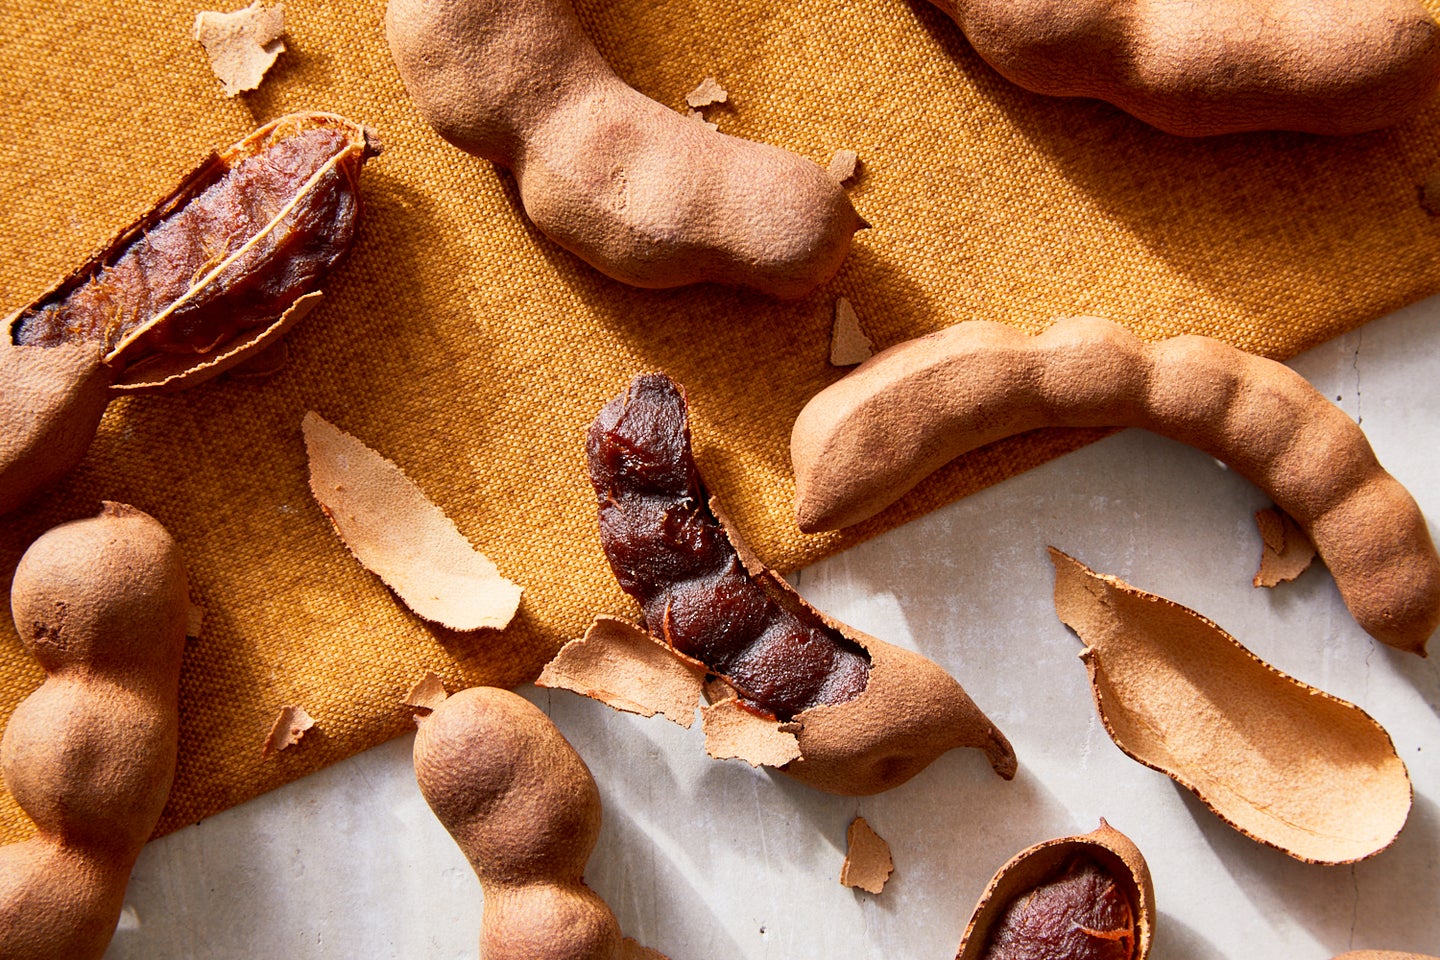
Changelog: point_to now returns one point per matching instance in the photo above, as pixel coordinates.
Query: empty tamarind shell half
(861, 443)
(1224, 66)
(1286, 764)
(213, 274)
(867, 715)
(1034, 867)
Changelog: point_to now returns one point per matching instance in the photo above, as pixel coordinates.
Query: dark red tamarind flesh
(1080, 914)
(669, 551)
(170, 259)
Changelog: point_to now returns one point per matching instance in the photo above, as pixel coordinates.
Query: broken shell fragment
(398, 534)
(213, 274)
(868, 863)
(1282, 762)
(621, 666)
(289, 729)
(1125, 875)
(1285, 552)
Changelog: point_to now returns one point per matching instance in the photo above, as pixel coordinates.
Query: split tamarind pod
(868, 715)
(1225, 66)
(1073, 898)
(213, 274)
(641, 193)
(102, 603)
(862, 442)
(524, 808)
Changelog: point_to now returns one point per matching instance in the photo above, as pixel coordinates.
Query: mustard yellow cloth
(473, 352)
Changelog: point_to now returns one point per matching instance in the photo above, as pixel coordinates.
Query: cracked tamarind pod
(1224, 66)
(103, 604)
(525, 810)
(634, 189)
(868, 716)
(865, 440)
(1073, 898)
(213, 274)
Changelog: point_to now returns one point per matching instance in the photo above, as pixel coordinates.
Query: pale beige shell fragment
(1280, 761)
(843, 165)
(290, 726)
(1037, 865)
(242, 45)
(868, 863)
(623, 667)
(733, 732)
(1286, 552)
(1384, 955)
(427, 694)
(400, 536)
(707, 93)
(848, 343)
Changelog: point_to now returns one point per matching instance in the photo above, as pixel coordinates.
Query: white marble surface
(702, 859)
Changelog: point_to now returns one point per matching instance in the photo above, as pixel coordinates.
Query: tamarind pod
(525, 810)
(861, 443)
(102, 604)
(214, 273)
(1314, 66)
(867, 715)
(641, 193)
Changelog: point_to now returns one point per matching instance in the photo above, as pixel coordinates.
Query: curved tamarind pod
(213, 274)
(102, 603)
(1225, 66)
(859, 444)
(639, 192)
(525, 810)
(867, 715)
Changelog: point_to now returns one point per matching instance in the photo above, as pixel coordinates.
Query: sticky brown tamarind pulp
(670, 552)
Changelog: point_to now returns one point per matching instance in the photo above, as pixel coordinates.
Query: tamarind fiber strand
(473, 352)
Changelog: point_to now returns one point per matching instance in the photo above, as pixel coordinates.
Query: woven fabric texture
(462, 344)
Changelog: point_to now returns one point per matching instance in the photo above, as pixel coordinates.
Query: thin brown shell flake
(1071, 898)
(395, 532)
(868, 863)
(1282, 762)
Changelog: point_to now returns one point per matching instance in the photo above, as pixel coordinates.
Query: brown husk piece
(399, 535)
(1282, 762)
(623, 667)
(290, 726)
(427, 694)
(1286, 551)
(734, 731)
(708, 92)
(243, 44)
(868, 863)
(843, 165)
(1039, 864)
(848, 343)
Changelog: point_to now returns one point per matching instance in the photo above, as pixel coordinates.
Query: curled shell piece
(861, 443)
(1282, 762)
(1037, 865)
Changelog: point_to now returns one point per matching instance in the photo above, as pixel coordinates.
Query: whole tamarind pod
(102, 604)
(869, 715)
(214, 273)
(525, 810)
(862, 442)
(639, 192)
(1225, 66)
